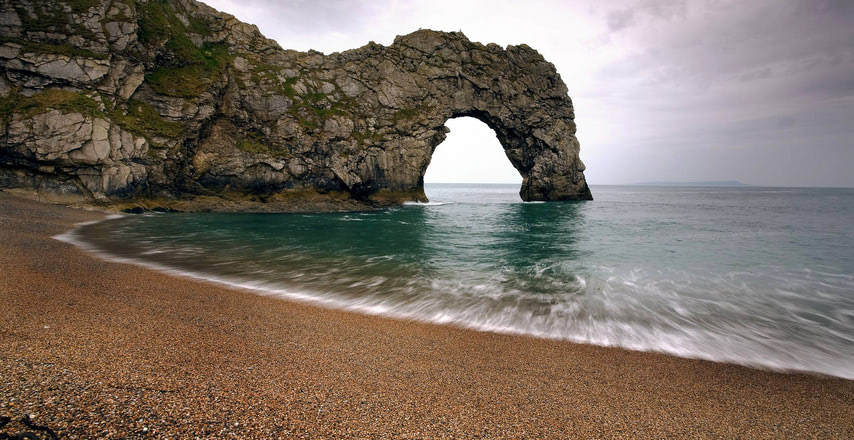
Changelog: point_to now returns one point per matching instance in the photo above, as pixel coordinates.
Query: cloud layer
(759, 91)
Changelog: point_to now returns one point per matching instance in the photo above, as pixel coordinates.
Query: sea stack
(174, 104)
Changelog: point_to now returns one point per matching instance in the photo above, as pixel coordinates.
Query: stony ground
(94, 349)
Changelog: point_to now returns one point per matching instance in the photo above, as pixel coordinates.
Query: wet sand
(94, 349)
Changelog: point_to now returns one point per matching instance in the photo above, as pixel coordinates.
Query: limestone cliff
(171, 103)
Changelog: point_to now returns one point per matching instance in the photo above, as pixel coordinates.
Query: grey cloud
(732, 41)
(757, 74)
(767, 50)
(627, 17)
(664, 9)
(307, 19)
(825, 6)
(621, 19)
(759, 91)
(342, 14)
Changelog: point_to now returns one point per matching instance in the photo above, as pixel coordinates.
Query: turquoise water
(756, 276)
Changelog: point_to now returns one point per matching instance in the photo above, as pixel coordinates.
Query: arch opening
(470, 154)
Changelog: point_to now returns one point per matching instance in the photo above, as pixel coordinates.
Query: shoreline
(94, 348)
(288, 202)
(309, 298)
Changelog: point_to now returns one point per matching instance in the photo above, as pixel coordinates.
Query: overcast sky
(760, 91)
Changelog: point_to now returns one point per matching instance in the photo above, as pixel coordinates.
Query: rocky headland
(172, 104)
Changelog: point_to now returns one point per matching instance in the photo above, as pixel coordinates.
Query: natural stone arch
(215, 116)
(546, 172)
(515, 92)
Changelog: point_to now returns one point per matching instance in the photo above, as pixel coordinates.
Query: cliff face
(171, 103)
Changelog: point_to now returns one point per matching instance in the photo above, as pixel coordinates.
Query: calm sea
(755, 276)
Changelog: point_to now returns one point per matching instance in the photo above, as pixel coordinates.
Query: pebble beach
(95, 349)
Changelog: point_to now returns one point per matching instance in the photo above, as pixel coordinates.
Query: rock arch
(215, 116)
(514, 91)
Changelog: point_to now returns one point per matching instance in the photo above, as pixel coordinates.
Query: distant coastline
(701, 183)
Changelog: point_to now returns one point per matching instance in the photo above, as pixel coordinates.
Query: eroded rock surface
(173, 103)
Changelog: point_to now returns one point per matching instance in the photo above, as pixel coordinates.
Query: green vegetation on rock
(159, 24)
(288, 87)
(199, 27)
(256, 142)
(51, 17)
(366, 138)
(311, 109)
(265, 71)
(188, 70)
(411, 113)
(68, 101)
(252, 146)
(406, 113)
(191, 80)
(54, 49)
(78, 6)
(142, 119)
